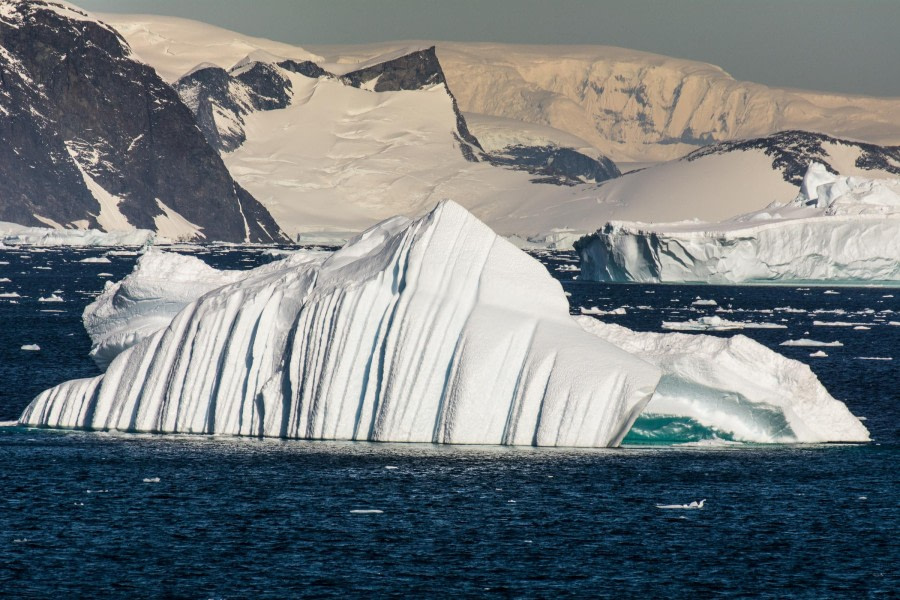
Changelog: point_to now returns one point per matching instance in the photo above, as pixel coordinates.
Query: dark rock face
(212, 91)
(71, 92)
(307, 68)
(793, 151)
(556, 165)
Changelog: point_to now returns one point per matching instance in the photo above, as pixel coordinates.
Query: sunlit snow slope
(638, 106)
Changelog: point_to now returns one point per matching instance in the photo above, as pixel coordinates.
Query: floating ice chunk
(874, 358)
(818, 354)
(366, 511)
(716, 323)
(391, 467)
(433, 330)
(10, 295)
(812, 343)
(104, 275)
(95, 259)
(736, 386)
(701, 302)
(862, 328)
(51, 298)
(31, 348)
(690, 506)
(835, 324)
(5, 280)
(832, 292)
(151, 479)
(599, 311)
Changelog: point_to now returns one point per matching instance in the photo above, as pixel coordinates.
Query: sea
(89, 514)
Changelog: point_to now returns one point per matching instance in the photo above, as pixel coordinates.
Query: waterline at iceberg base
(433, 330)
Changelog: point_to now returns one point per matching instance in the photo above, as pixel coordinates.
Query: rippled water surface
(90, 514)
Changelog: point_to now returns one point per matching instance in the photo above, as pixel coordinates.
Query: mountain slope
(637, 106)
(94, 138)
(723, 180)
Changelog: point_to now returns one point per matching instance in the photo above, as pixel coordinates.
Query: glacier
(433, 330)
(838, 229)
(13, 234)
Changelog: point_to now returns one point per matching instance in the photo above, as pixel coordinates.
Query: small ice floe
(830, 292)
(95, 259)
(835, 324)
(151, 479)
(8, 423)
(568, 268)
(819, 354)
(104, 275)
(21, 541)
(42, 268)
(391, 467)
(811, 343)
(894, 323)
(692, 505)
(599, 311)
(51, 298)
(716, 323)
(510, 501)
(366, 511)
(9, 295)
(31, 348)
(96, 491)
(5, 280)
(874, 358)
(862, 328)
(701, 302)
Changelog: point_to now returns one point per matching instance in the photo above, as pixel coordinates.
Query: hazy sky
(834, 45)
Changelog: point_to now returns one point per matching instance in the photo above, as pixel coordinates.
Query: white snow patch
(173, 226)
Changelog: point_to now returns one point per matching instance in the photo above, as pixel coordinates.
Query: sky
(848, 46)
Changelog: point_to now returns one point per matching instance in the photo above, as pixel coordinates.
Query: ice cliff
(838, 229)
(434, 330)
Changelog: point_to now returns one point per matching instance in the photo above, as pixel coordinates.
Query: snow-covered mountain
(723, 180)
(332, 148)
(637, 106)
(93, 138)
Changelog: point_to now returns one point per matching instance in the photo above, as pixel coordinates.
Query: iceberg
(432, 330)
(838, 229)
(736, 386)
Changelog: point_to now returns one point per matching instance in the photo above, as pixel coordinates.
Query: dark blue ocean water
(237, 518)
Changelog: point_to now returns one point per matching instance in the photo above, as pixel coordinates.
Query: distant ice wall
(839, 229)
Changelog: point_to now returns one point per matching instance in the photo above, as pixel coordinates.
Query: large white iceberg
(434, 330)
(736, 387)
(839, 229)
